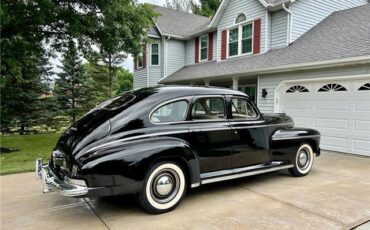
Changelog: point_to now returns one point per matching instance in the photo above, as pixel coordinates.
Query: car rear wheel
(164, 188)
(303, 161)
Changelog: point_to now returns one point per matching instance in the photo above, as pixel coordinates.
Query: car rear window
(116, 102)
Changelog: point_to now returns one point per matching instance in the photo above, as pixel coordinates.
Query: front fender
(285, 142)
(115, 164)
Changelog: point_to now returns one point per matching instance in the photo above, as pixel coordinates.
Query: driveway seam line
(292, 205)
(96, 214)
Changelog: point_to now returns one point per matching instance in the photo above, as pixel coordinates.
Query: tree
(123, 81)
(71, 91)
(112, 61)
(24, 85)
(180, 5)
(206, 8)
(33, 30)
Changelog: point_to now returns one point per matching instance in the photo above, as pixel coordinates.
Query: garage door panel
(362, 106)
(334, 142)
(327, 105)
(361, 145)
(301, 121)
(361, 125)
(337, 108)
(325, 123)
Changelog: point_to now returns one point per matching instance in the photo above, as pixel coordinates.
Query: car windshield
(116, 102)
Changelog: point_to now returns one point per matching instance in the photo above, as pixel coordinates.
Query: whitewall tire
(303, 161)
(164, 188)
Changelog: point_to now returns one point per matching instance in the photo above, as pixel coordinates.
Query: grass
(31, 147)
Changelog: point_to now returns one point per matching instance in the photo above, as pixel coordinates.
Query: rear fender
(131, 160)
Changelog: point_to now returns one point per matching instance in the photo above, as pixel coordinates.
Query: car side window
(171, 112)
(242, 109)
(208, 108)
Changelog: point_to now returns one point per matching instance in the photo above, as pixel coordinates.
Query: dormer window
(240, 39)
(240, 18)
(140, 60)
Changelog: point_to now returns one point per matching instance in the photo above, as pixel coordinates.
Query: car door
(210, 133)
(249, 134)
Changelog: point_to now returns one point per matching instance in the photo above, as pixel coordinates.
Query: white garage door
(339, 109)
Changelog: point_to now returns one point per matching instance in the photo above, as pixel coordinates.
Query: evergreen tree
(24, 85)
(206, 8)
(71, 91)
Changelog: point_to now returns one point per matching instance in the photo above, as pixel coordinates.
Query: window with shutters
(155, 54)
(204, 47)
(240, 40)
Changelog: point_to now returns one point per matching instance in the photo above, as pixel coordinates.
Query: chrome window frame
(207, 120)
(186, 99)
(249, 102)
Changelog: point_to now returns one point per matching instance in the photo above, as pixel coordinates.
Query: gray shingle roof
(343, 34)
(180, 24)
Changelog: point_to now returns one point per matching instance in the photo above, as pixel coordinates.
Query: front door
(250, 137)
(210, 133)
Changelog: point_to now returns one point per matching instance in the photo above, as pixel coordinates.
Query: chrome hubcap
(164, 185)
(302, 158)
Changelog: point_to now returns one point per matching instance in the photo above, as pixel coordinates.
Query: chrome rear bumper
(66, 187)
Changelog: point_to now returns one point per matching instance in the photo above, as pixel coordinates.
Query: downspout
(289, 24)
(165, 56)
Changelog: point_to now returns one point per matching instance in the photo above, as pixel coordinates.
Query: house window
(155, 54)
(233, 41)
(247, 38)
(204, 47)
(140, 61)
(241, 40)
(240, 18)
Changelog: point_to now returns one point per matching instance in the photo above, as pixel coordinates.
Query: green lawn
(31, 147)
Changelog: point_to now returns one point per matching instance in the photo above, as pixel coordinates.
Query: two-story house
(307, 58)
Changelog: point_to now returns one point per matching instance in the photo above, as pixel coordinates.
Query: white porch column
(235, 83)
(207, 82)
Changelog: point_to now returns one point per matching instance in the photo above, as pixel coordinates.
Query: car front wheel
(164, 187)
(303, 161)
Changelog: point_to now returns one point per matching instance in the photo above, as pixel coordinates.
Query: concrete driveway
(335, 195)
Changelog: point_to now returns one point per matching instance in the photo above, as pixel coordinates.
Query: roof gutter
(296, 67)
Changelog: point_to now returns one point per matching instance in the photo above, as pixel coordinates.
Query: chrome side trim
(234, 176)
(181, 131)
(291, 138)
(195, 185)
(138, 137)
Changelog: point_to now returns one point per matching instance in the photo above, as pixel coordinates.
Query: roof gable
(179, 24)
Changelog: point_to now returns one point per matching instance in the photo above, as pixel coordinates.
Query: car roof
(180, 91)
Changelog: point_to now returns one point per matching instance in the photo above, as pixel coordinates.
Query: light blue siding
(271, 82)
(278, 29)
(140, 78)
(214, 45)
(307, 13)
(154, 70)
(189, 52)
(175, 55)
(252, 9)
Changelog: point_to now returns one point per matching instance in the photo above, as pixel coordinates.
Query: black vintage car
(158, 142)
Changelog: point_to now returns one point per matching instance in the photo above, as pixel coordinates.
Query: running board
(234, 174)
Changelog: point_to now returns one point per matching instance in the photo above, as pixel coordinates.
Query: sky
(128, 64)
